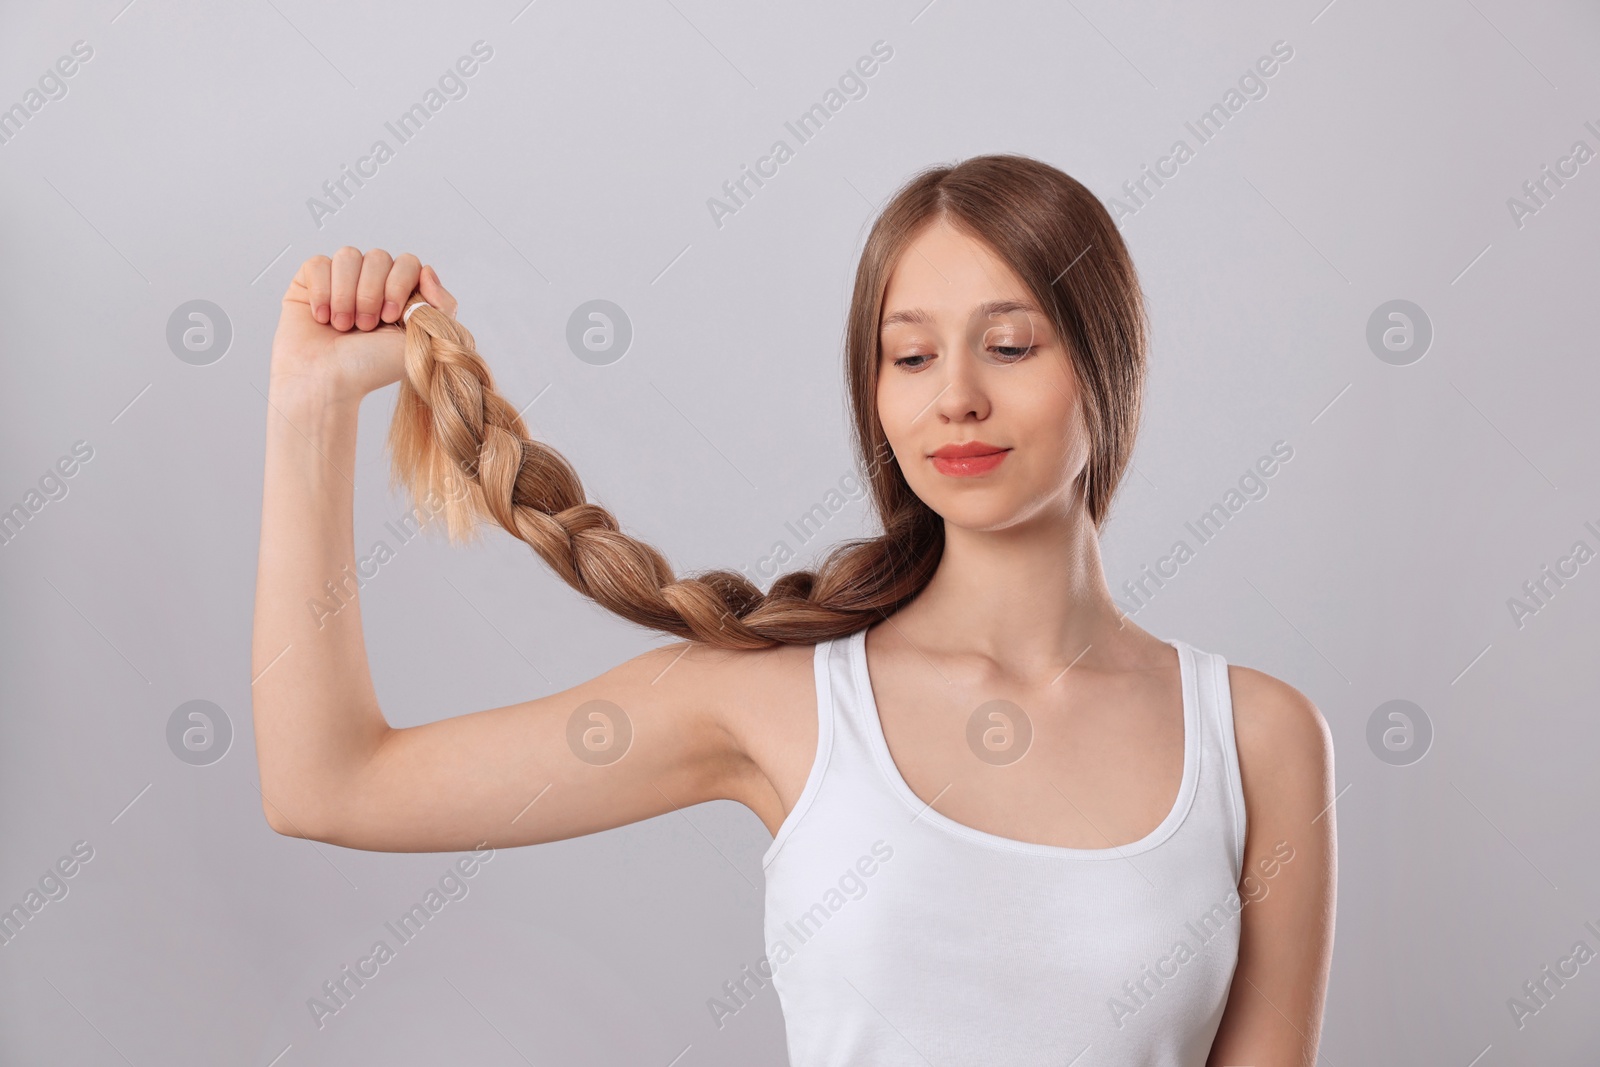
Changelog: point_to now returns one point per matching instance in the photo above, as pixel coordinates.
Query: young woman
(1009, 825)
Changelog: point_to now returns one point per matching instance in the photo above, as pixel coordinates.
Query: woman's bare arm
(1275, 1005)
(331, 766)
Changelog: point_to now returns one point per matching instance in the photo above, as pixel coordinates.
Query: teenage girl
(1009, 825)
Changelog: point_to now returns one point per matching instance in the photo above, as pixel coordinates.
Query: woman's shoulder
(758, 696)
(1285, 747)
(1274, 719)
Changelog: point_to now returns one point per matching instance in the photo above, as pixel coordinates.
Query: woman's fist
(339, 332)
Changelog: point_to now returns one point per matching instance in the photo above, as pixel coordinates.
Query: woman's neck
(1027, 596)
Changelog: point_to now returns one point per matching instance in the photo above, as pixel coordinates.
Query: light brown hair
(454, 437)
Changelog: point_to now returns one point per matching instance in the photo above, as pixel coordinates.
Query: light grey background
(578, 166)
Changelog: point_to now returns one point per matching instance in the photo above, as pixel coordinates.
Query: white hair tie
(406, 317)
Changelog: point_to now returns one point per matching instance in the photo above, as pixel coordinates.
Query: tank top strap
(826, 659)
(850, 693)
(1220, 787)
(847, 701)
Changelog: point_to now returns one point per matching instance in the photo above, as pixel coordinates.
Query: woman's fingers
(369, 289)
(316, 274)
(346, 273)
(402, 282)
(364, 291)
(436, 294)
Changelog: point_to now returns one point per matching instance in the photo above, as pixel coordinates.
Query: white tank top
(895, 935)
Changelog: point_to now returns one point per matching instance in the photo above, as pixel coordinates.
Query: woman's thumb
(434, 293)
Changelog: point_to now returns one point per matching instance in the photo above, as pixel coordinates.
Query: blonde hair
(454, 436)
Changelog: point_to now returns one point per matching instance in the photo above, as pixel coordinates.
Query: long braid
(455, 437)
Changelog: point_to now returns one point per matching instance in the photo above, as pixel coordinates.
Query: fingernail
(390, 310)
(321, 314)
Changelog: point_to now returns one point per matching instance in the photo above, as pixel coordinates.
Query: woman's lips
(969, 466)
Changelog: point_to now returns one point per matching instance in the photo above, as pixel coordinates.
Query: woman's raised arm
(639, 740)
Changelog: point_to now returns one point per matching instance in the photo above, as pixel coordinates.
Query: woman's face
(968, 357)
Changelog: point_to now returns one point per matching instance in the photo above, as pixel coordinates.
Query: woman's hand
(339, 334)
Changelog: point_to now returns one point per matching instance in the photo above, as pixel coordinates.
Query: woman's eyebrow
(919, 317)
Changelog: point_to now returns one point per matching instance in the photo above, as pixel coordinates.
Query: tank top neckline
(856, 655)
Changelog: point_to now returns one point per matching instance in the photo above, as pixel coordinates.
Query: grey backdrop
(1382, 563)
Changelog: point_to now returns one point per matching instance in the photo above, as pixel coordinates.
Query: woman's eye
(1004, 353)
